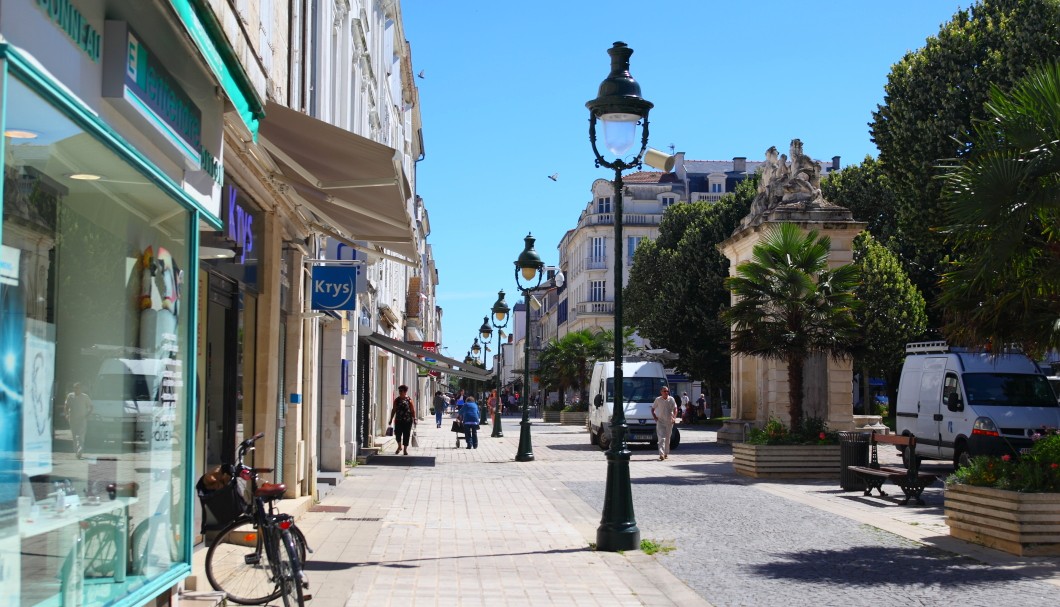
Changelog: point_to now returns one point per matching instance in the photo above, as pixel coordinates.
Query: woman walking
(469, 418)
(403, 417)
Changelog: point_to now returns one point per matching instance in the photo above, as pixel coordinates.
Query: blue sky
(503, 104)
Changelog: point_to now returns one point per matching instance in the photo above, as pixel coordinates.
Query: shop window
(93, 333)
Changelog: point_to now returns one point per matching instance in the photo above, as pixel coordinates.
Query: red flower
(1054, 466)
(821, 436)
(1006, 458)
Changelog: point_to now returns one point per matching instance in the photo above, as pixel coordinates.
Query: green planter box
(1024, 524)
(786, 461)
(550, 417)
(573, 418)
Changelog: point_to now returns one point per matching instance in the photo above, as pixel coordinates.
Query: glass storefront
(94, 351)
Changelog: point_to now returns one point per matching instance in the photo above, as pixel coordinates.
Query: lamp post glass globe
(475, 348)
(485, 330)
(621, 108)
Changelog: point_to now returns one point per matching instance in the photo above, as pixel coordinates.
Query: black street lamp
(528, 267)
(620, 107)
(499, 320)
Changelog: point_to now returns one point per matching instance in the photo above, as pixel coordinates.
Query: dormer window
(603, 204)
(715, 188)
(668, 200)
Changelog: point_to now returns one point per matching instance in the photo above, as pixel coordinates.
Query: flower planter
(786, 461)
(1025, 524)
(573, 418)
(550, 417)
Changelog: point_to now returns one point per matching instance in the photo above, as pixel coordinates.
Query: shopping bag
(390, 430)
(414, 442)
(457, 426)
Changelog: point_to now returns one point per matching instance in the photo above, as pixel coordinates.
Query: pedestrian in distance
(469, 419)
(701, 406)
(78, 408)
(439, 407)
(403, 417)
(664, 410)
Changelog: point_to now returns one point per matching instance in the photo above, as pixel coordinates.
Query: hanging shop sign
(340, 251)
(334, 288)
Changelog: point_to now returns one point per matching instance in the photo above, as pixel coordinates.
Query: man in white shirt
(664, 410)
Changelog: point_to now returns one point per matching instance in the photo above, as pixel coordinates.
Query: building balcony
(596, 263)
(629, 219)
(707, 196)
(588, 308)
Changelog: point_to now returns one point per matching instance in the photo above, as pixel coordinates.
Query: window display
(93, 344)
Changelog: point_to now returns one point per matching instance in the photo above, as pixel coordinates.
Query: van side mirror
(599, 400)
(953, 402)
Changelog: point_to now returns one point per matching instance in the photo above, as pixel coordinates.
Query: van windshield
(1008, 390)
(637, 389)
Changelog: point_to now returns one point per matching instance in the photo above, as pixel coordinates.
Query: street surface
(445, 526)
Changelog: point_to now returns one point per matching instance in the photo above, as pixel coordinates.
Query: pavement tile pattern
(444, 526)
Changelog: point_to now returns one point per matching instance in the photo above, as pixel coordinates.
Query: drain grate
(323, 508)
(362, 519)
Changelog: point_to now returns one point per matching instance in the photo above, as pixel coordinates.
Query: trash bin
(853, 451)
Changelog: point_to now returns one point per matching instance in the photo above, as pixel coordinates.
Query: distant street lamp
(499, 321)
(528, 267)
(621, 109)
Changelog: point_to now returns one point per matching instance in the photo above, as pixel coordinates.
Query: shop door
(363, 394)
(220, 391)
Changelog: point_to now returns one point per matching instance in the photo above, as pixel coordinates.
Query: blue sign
(334, 288)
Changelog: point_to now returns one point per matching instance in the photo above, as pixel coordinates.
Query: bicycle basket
(221, 506)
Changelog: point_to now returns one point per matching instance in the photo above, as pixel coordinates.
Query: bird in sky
(420, 75)
(554, 176)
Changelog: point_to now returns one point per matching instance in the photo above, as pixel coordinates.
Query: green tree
(866, 190)
(676, 287)
(931, 99)
(892, 313)
(567, 361)
(1003, 210)
(789, 305)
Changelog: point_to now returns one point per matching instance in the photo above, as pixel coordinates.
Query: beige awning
(350, 182)
(418, 356)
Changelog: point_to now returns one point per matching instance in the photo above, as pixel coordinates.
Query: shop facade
(112, 167)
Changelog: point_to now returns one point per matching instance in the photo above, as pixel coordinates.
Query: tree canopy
(931, 99)
(676, 286)
(1003, 213)
(566, 362)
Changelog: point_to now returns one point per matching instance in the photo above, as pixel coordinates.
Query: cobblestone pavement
(447, 526)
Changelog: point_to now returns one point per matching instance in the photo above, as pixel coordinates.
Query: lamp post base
(497, 433)
(618, 526)
(526, 451)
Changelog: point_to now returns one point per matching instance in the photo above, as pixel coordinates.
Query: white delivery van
(641, 382)
(126, 399)
(960, 403)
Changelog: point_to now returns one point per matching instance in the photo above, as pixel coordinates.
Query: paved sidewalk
(446, 526)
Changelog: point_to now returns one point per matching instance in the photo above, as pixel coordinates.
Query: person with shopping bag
(469, 419)
(403, 417)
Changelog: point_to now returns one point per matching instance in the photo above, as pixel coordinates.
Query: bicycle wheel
(154, 547)
(290, 571)
(236, 564)
(101, 549)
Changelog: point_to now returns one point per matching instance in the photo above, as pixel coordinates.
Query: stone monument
(789, 191)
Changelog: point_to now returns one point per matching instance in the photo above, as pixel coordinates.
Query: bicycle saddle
(271, 490)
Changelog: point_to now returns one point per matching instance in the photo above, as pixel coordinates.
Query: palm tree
(789, 305)
(568, 360)
(1003, 211)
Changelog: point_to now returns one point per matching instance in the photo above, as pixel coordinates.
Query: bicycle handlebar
(248, 445)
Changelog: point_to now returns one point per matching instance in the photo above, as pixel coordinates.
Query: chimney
(739, 164)
(679, 165)
(835, 163)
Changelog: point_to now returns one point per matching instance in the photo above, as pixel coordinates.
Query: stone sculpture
(793, 186)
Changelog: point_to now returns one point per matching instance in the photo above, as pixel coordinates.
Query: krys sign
(334, 288)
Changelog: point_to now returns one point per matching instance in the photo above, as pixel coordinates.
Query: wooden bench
(911, 480)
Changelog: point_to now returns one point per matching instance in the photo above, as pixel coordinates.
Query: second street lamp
(619, 106)
(528, 267)
(500, 321)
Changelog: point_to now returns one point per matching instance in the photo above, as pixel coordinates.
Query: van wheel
(961, 458)
(603, 440)
(594, 438)
(908, 458)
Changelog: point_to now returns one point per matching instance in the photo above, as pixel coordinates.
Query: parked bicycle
(258, 557)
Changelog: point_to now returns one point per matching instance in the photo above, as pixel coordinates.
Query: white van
(641, 382)
(961, 403)
(125, 401)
